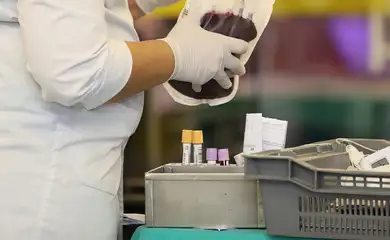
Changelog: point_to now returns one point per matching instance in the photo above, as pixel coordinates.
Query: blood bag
(242, 19)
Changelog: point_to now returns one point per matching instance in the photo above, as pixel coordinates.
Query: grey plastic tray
(303, 195)
(202, 197)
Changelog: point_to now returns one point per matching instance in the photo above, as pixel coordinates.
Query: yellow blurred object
(330, 7)
(303, 7)
(172, 11)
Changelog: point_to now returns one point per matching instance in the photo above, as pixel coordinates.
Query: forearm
(153, 64)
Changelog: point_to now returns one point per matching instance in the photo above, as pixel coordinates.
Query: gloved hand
(148, 6)
(201, 55)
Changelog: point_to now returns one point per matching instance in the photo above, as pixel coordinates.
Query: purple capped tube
(223, 156)
(211, 156)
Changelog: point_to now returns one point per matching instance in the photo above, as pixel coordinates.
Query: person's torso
(33, 129)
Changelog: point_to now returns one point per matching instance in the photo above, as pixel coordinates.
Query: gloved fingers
(236, 46)
(196, 87)
(229, 73)
(223, 79)
(234, 64)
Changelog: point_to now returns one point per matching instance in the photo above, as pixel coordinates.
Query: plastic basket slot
(347, 181)
(349, 216)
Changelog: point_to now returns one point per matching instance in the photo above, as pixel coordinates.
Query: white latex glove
(148, 6)
(201, 55)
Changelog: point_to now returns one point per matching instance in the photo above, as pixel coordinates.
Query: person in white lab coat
(72, 76)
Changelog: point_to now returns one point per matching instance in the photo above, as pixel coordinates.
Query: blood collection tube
(223, 156)
(212, 156)
(186, 139)
(197, 141)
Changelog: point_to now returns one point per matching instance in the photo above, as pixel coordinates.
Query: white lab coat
(60, 149)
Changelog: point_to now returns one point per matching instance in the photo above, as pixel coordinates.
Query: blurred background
(322, 65)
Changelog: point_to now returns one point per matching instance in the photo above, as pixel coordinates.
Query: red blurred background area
(301, 46)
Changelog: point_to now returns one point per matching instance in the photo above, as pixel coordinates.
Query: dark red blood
(226, 24)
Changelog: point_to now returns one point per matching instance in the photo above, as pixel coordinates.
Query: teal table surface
(144, 233)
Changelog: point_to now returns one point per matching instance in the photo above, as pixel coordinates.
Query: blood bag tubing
(250, 16)
(241, 9)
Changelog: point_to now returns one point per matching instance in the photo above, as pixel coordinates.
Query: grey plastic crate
(303, 195)
(202, 197)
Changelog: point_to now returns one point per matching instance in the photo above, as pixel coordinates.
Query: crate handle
(302, 175)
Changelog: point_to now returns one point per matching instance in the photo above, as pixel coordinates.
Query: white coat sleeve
(69, 53)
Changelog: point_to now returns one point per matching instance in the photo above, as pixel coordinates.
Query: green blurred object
(144, 233)
(310, 119)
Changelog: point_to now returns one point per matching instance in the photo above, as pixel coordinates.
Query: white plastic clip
(239, 159)
(359, 162)
(368, 162)
(355, 156)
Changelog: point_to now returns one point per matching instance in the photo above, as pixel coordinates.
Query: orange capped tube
(186, 140)
(197, 140)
